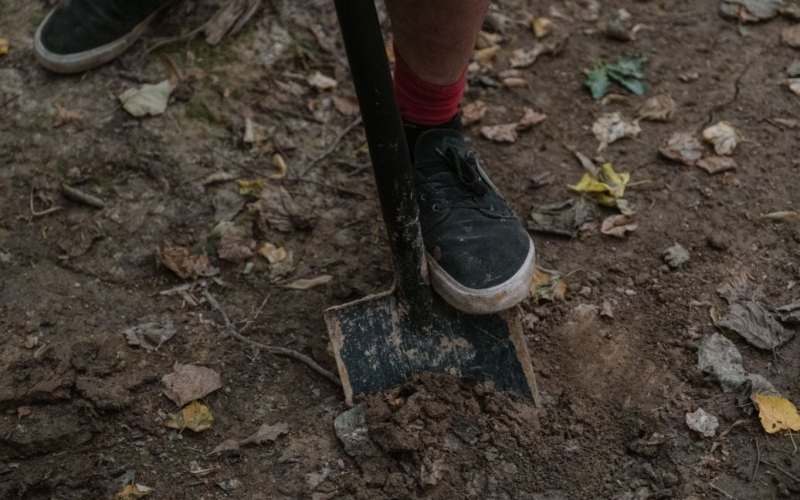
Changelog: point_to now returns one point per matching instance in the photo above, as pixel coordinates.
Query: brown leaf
(755, 324)
(321, 82)
(345, 104)
(587, 163)
(791, 36)
(618, 225)
(185, 265)
(786, 216)
(723, 136)
(542, 27)
(227, 445)
(716, 164)
(607, 311)
(611, 127)
(272, 253)
(280, 164)
(189, 382)
(487, 55)
(64, 116)
(660, 108)
(682, 147)
(236, 247)
(473, 112)
(530, 118)
(305, 284)
(509, 132)
(267, 433)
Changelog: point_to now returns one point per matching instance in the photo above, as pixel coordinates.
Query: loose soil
(79, 406)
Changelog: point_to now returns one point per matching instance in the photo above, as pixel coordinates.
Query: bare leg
(435, 37)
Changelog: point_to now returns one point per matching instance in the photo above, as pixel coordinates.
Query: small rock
(670, 479)
(229, 484)
(586, 292)
(702, 422)
(718, 242)
(676, 256)
(351, 429)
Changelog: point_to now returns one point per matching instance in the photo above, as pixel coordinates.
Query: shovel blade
(375, 349)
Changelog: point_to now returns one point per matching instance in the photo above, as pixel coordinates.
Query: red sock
(423, 103)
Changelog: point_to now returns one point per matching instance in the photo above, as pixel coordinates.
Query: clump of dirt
(441, 437)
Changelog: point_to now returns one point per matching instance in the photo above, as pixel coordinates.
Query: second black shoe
(79, 35)
(480, 257)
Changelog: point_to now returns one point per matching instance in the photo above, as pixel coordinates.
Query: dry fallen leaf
(473, 112)
(251, 187)
(280, 164)
(785, 216)
(64, 116)
(607, 311)
(227, 445)
(611, 127)
(185, 265)
(149, 99)
(723, 136)
(217, 177)
(618, 225)
(682, 147)
(345, 104)
(794, 85)
(267, 433)
(485, 56)
(272, 253)
(196, 417)
(486, 39)
(131, 491)
(253, 132)
(4, 46)
(236, 247)
(587, 163)
(509, 132)
(305, 284)
(660, 108)
(731, 180)
(716, 164)
(607, 188)
(542, 27)
(320, 82)
(190, 382)
(791, 36)
(777, 414)
(548, 285)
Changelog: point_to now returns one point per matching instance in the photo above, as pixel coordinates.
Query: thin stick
(180, 38)
(721, 491)
(280, 351)
(332, 147)
(758, 461)
(775, 466)
(43, 212)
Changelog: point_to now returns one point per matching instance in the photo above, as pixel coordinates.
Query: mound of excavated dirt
(439, 437)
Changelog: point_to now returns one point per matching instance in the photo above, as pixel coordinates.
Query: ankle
(414, 130)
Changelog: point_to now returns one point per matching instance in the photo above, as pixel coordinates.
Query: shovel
(384, 340)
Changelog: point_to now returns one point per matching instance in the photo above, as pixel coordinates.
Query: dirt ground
(79, 407)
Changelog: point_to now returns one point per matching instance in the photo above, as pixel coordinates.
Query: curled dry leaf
(618, 225)
(64, 116)
(486, 40)
(267, 433)
(794, 85)
(611, 127)
(189, 382)
(682, 147)
(345, 104)
(280, 164)
(548, 285)
(723, 136)
(186, 265)
(486, 56)
(196, 417)
(149, 99)
(509, 132)
(132, 491)
(791, 36)
(521, 58)
(320, 82)
(660, 108)
(253, 132)
(150, 336)
(217, 177)
(676, 256)
(785, 216)
(473, 112)
(272, 253)
(542, 27)
(567, 218)
(716, 164)
(305, 284)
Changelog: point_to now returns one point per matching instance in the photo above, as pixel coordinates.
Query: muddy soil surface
(80, 407)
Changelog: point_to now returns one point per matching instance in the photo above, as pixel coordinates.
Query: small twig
(9, 101)
(43, 212)
(721, 491)
(280, 351)
(81, 197)
(758, 461)
(775, 466)
(332, 147)
(180, 38)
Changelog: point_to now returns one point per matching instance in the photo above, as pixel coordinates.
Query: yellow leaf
(251, 187)
(616, 182)
(3, 46)
(777, 414)
(195, 416)
(133, 491)
(589, 184)
(548, 285)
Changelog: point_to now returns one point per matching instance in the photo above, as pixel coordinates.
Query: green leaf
(635, 85)
(598, 82)
(628, 66)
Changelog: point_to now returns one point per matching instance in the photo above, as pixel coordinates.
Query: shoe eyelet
(435, 207)
(422, 197)
(491, 208)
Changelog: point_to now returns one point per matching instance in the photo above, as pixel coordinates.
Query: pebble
(586, 291)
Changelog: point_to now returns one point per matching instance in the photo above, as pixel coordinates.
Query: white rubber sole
(488, 300)
(88, 59)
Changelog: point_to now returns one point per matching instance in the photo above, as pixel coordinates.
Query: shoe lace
(457, 180)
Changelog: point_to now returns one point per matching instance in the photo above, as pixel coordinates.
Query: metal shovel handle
(388, 151)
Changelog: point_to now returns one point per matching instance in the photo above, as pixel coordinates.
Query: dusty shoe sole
(88, 59)
(488, 300)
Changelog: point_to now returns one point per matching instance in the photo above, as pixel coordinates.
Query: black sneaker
(480, 257)
(79, 35)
